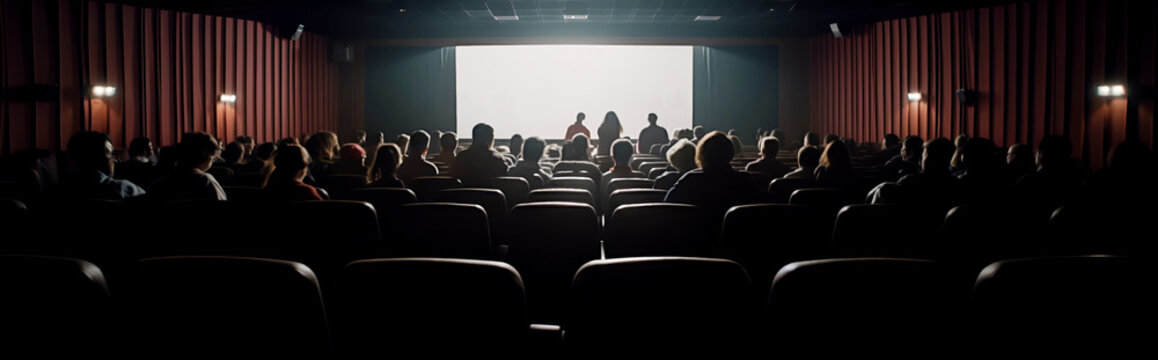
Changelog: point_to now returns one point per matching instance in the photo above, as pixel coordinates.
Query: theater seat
(445, 230)
(492, 200)
(572, 182)
(665, 306)
(386, 202)
(336, 185)
(780, 190)
(633, 196)
(14, 225)
(549, 242)
(229, 305)
(629, 183)
(435, 307)
(886, 231)
(765, 237)
(1059, 306)
(427, 187)
(54, 306)
(658, 229)
(516, 189)
(248, 194)
(646, 166)
(844, 307)
(570, 195)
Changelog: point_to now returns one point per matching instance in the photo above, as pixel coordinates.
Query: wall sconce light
(103, 91)
(1115, 90)
(228, 98)
(914, 96)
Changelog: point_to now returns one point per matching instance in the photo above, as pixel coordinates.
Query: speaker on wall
(342, 53)
(291, 32)
(967, 97)
(835, 30)
(297, 34)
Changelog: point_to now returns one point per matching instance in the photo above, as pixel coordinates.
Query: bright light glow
(104, 91)
(574, 17)
(1118, 90)
(914, 96)
(228, 98)
(1103, 90)
(536, 90)
(707, 18)
(506, 17)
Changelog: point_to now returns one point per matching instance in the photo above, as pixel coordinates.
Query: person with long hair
(609, 131)
(322, 147)
(715, 187)
(383, 172)
(835, 169)
(189, 181)
(285, 181)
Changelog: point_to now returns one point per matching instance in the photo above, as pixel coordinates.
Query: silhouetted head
(688, 134)
(610, 128)
(699, 132)
(533, 149)
(376, 138)
(911, 148)
(403, 141)
(652, 118)
(580, 117)
(142, 147)
(835, 156)
(197, 150)
(1020, 158)
(448, 142)
(353, 153)
(937, 155)
(715, 152)
(516, 144)
(1131, 155)
(322, 145)
(1054, 149)
(737, 145)
(808, 157)
(978, 155)
(264, 151)
(769, 146)
(386, 162)
(891, 140)
(247, 142)
(360, 137)
(287, 142)
(419, 144)
(811, 139)
(830, 138)
(91, 151)
(579, 148)
(289, 164)
(233, 153)
(483, 135)
(621, 151)
(682, 155)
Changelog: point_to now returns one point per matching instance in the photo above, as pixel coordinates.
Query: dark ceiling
(479, 18)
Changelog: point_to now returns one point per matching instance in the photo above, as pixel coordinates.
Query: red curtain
(1034, 65)
(169, 68)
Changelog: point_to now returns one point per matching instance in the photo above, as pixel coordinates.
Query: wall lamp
(1112, 90)
(228, 98)
(103, 91)
(914, 96)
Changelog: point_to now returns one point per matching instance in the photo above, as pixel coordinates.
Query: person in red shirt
(577, 128)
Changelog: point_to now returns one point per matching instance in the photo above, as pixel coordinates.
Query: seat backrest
(655, 173)
(440, 307)
(573, 182)
(633, 196)
(427, 187)
(516, 189)
(386, 202)
(338, 184)
(558, 194)
(886, 231)
(244, 193)
(765, 237)
(663, 305)
(93, 230)
(628, 183)
(14, 222)
(780, 190)
(646, 166)
(861, 304)
(638, 159)
(492, 200)
(581, 168)
(54, 305)
(230, 305)
(974, 236)
(255, 179)
(549, 242)
(658, 229)
(441, 229)
(328, 234)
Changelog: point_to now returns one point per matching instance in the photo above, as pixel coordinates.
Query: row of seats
(643, 306)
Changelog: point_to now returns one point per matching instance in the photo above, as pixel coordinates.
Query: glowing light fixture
(228, 98)
(574, 17)
(103, 91)
(708, 18)
(914, 96)
(506, 17)
(1113, 90)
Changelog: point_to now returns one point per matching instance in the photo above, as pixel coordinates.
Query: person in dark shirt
(141, 167)
(189, 181)
(529, 168)
(415, 164)
(480, 160)
(448, 142)
(935, 187)
(621, 152)
(681, 157)
(579, 149)
(260, 155)
(715, 187)
(609, 131)
(322, 148)
(92, 153)
(285, 182)
(1058, 178)
(767, 162)
(807, 159)
(651, 135)
(383, 171)
(909, 160)
(835, 170)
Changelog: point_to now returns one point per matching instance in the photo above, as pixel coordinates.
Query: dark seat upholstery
(765, 237)
(1066, 305)
(446, 230)
(780, 190)
(658, 229)
(974, 236)
(244, 193)
(574, 182)
(516, 189)
(628, 183)
(93, 230)
(228, 305)
(255, 179)
(664, 306)
(437, 307)
(54, 306)
(570, 195)
(14, 217)
(549, 242)
(633, 196)
(645, 167)
(332, 234)
(386, 202)
(860, 306)
(886, 231)
(581, 168)
(427, 187)
(336, 185)
(492, 200)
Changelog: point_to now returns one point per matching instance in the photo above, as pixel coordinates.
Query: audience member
(807, 159)
(383, 172)
(621, 152)
(577, 127)
(812, 139)
(651, 135)
(609, 131)
(92, 155)
(321, 148)
(449, 144)
(529, 167)
(681, 157)
(1020, 160)
(352, 160)
(715, 187)
(189, 181)
(835, 169)
(415, 164)
(767, 162)
(261, 155)
(480, 160)
(285, 182)
(578, 150)
(141, 167)
(909, 161)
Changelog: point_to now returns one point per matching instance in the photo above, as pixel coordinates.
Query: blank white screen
(536, 90)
